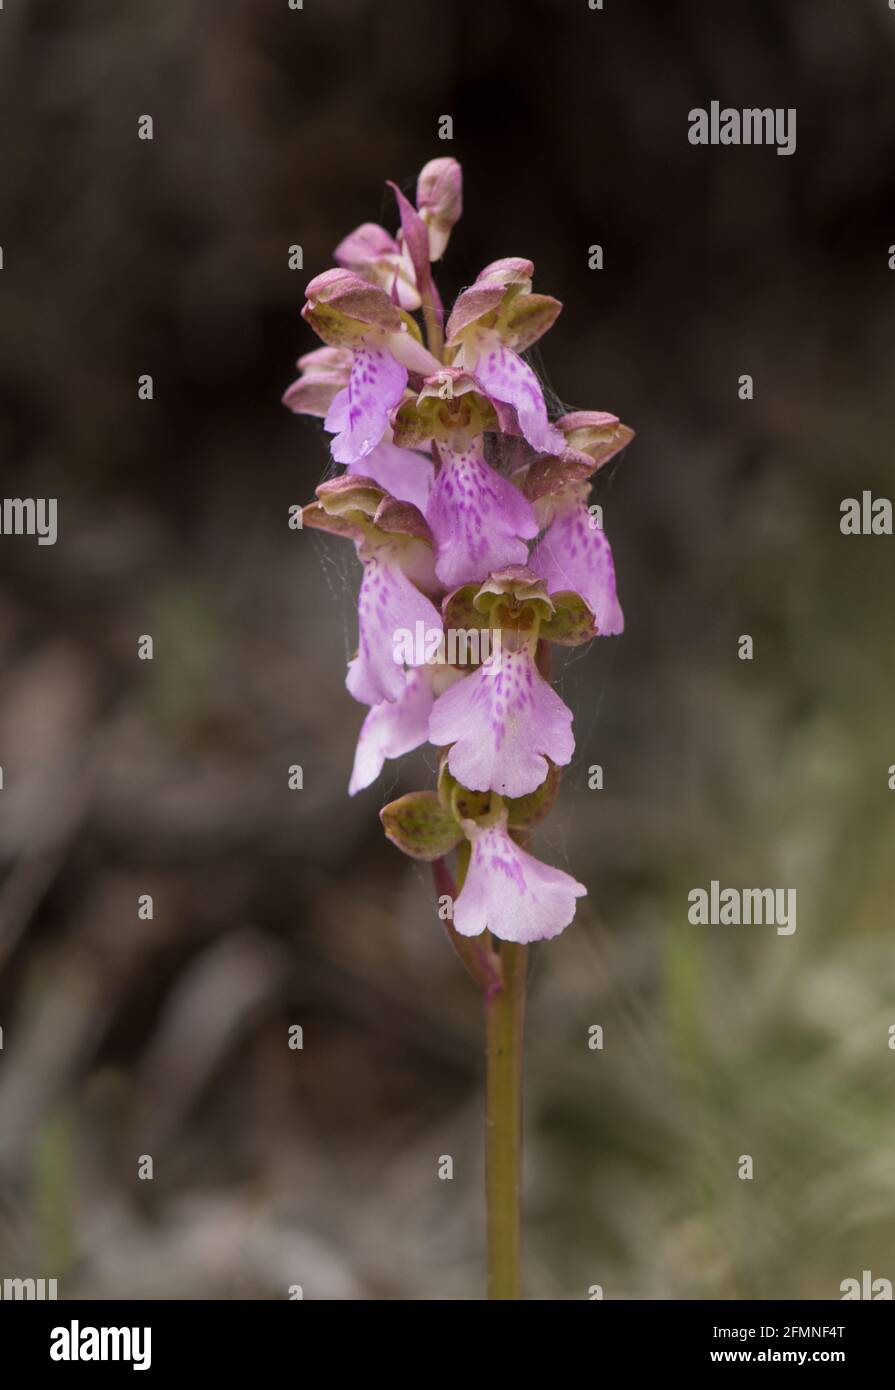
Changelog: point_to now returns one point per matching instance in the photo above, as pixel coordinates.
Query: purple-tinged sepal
(492, 322)
(592, 438)
(347, 311)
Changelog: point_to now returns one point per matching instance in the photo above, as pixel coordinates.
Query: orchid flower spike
(469, 509)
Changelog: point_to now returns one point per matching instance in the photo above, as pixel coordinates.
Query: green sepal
(459, 609)
(572, 623)
(525, 812)
(315, 516)
(512, 590)
(420, 826)
(453, 420)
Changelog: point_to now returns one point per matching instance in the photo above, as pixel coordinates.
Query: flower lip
(510, 893)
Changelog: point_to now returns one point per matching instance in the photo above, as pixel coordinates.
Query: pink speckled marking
(480, 521)
(511, 893)
(387, 602)
(505, 376)
(359, 413)
(573, 555)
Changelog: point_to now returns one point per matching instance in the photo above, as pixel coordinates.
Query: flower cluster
(468, 508)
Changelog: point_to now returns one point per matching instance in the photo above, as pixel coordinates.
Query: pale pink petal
(505, 376)
(359, 413)
(393, 727)
(388, 603)
(504, 720)
(404, 473)
(324, 372)
(480, 521)
(376, 256)
(509, 892)
(572, 554)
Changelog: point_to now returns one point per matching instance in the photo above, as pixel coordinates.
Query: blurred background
(168, 1037)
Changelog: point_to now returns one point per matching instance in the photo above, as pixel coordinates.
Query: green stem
(504, 1019)
(434, 331)
(482, 964)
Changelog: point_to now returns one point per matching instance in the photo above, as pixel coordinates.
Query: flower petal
(387, 604)
(359, 414)
(574, 555)
(509, 892)
(393, 727)
(504, 722)
(323, 374)
(505, 376)
(404, 473)
(480, 521)
(371, 252)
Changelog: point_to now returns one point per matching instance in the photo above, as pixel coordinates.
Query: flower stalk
(504, 1027)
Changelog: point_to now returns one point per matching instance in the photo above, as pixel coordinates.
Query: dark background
(124, 1037)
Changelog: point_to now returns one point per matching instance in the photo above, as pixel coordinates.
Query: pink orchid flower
(491, 323)
(504, 721)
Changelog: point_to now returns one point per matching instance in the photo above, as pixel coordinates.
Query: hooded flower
(510, 893)
(491, 323)
(349, 313)
(574, 552)
(395, 546)
(504, 721)
(359, 414)
(325, 375)
(480, 520)
(381, 259)
(388, 602)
